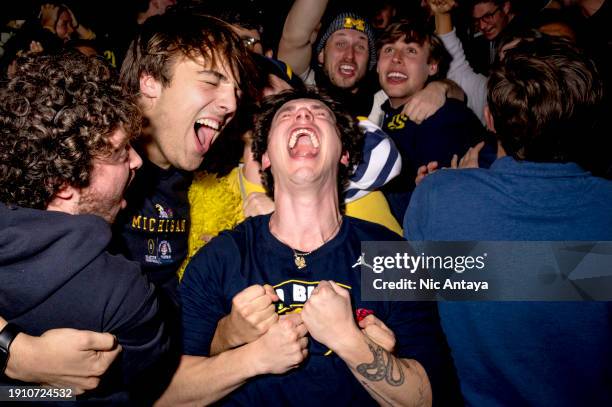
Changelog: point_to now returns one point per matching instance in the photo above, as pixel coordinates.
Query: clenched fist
(441, 6)
(283, 346)
(378, 332)
(252, 314)
(328, 315)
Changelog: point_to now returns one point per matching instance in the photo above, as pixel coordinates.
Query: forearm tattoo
(378, 370)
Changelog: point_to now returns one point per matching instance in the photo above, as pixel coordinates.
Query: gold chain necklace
(299, 257)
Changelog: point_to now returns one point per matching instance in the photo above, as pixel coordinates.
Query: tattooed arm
(390, 380)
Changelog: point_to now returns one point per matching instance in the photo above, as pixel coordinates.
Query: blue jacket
(55, 272)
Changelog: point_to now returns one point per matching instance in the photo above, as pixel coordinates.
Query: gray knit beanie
(351, 21)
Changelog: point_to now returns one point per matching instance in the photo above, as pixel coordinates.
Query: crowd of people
(184, 197)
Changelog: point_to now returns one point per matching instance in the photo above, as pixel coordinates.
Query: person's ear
(65, 200)
(489, 119)
(321, 57)
(344, 159)
(433, 68)
(149, 86)
(265, 161)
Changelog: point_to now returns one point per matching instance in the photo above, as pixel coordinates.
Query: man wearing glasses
(491, 18)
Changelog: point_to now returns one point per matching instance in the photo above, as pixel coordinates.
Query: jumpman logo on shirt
(361, 261)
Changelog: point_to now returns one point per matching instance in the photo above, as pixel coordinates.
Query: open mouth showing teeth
(213, 124)
(312, 138)
(347, 69)
(396, 76)
(303, 143)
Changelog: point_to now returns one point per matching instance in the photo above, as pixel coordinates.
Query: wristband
(7, 335)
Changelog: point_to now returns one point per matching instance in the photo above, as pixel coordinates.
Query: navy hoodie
(55, 272)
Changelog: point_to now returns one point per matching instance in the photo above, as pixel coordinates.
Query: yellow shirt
(373, 207)
(216, 205)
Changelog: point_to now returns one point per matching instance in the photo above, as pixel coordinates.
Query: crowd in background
(430, 84)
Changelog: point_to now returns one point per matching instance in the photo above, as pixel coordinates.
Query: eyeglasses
(486, 18)
(250, 42)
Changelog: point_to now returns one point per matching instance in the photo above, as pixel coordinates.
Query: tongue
(303, 151)
(396, 79)
(203, 131)
(303, 148)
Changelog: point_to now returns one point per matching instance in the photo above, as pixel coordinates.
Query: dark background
(103, 15)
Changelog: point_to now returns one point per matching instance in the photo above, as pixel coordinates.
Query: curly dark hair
(56, 115)
(351, 136)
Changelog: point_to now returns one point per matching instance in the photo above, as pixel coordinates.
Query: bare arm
(426, 102)
(295, 46)
(62, 358)
(389, 380)
(252, 314)
(453, 90)
(203, 380)
(441, 10)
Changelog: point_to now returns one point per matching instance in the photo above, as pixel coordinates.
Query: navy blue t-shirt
(154, 228)
(249, 255)
(451, 130)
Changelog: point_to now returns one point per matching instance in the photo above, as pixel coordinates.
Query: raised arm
(296, 43)
(61, 358)
(473, 84)
(443, 19)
